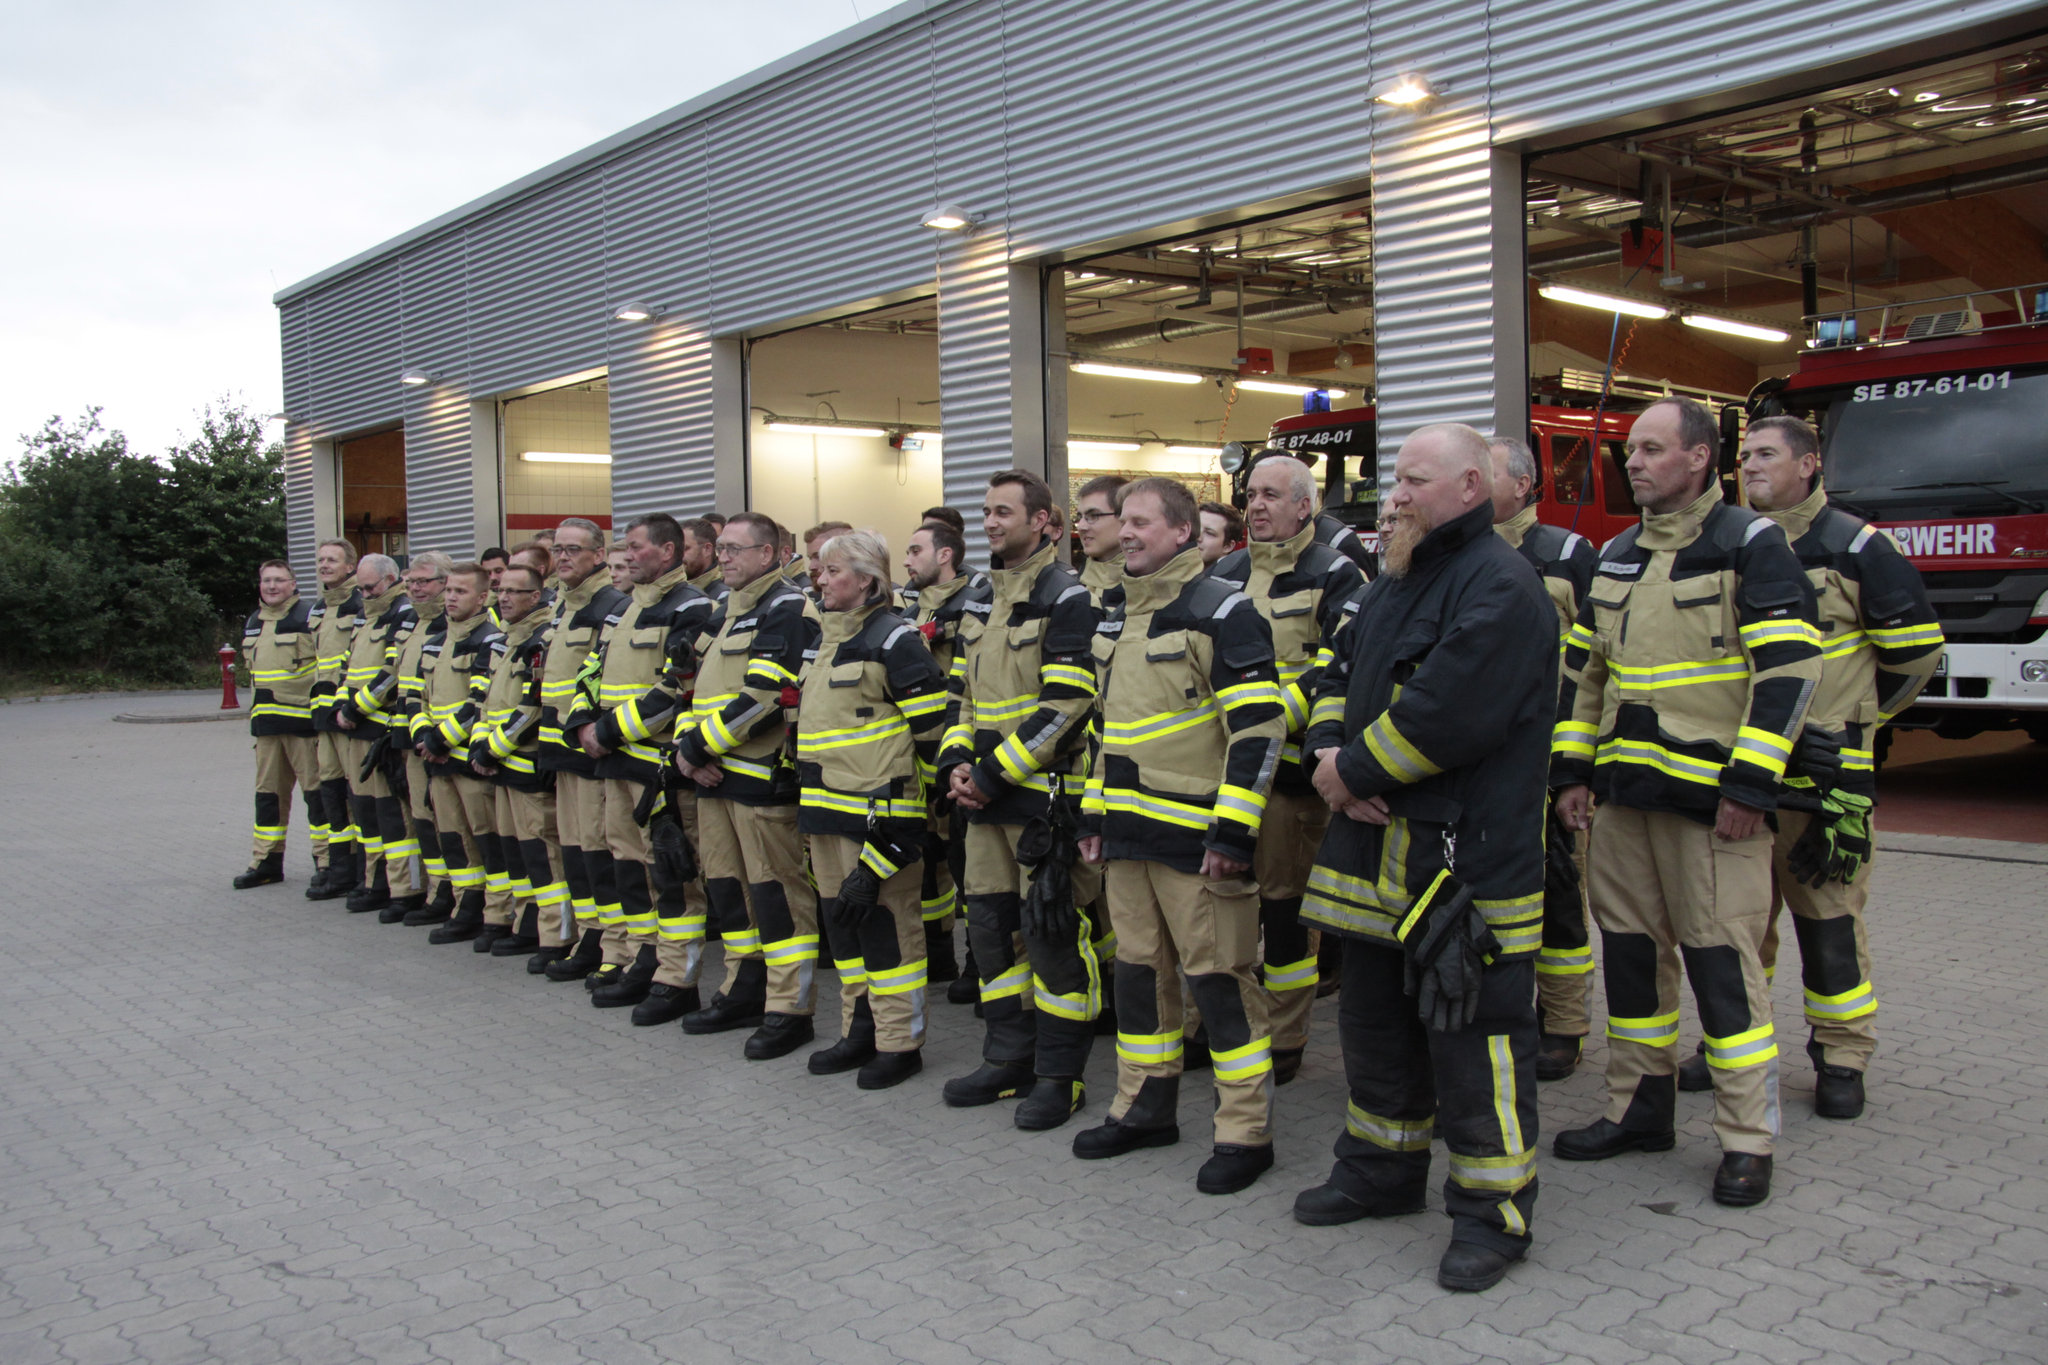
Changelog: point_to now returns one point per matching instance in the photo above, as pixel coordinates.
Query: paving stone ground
(239, 1126)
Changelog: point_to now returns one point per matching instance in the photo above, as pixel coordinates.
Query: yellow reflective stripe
(1838, 646)
(1646, 754)
(774, 673)
(791, 951)
(1248, 694)
(270, 675)
(1399, 1135)
(746, 768)
(822, 798)
(1010, 981)
(1249, 807)
(1581, 636)
(874, 861)
(1150, 1049)
(1650, 678)
(1081, 1006)
(1892, 637)
(1242, 1063)
(1327, 711)
(1653, 1030)
(1133, 802)
(999, 709)
(853, 971)
(1291, 976)
(1496, 1175)
(741, 941)
(1503, 1059)
(1070, 675)
(1401, 759)
(931, 703)
(1753, 1047)
(912, 976)
(1763, 749)
(1778, 633)
(816, 741)
(1014, 759)
(281, 709)
(1565, 961)
(1158, 725)
(1853, 1003)
(631, 726)
(1859, 760)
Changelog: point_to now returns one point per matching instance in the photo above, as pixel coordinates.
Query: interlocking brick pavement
(239, 1126)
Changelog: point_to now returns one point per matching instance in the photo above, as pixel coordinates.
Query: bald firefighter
(278, 651)
(369, 709)
(335, 618)
(1687, 680)
(1299, 585)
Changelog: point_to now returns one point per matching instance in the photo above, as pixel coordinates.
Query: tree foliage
(114, 561)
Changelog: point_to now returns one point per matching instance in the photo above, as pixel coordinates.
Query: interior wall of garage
(575, 421)
(1002, 105)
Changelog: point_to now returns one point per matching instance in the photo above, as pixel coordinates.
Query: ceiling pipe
(1790, 218)
(1180, 329)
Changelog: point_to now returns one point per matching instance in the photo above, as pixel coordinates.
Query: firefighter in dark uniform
(1687, 680)
(1299, 586)
(1191, 730)
(1016, 730)
(653, 943)
(335, 618)
(426, 578)
(734, 746)
(506, 749)
(1429, 742)
(585, 606)
(1333, 531)
(1880, 642)
(369, 687)
(278, 650)
(874, 706)
(456, 678)
(935, 570)
(1564, 965)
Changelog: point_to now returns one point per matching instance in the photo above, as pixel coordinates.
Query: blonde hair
(864, 552)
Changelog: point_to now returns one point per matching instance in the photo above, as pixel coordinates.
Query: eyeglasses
(421, 582)
(726, 548)
(563, 550)
(519, 592)
(1091, 516)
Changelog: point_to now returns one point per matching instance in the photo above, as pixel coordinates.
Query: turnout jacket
(1880, 639)
(456, 675)
(577, 623)
(429, 625)
(753, 651)
(508, 736)
(1437, 701)
(1564, 559)
(940, 608)
(637, 685)
(1688, 673)
(335, 618)
(1102, 577)
(1019, 706)
(369, 690)
(1333, 531)
(1191, 722)
(279, 651)
(874, 706)
(1299, 586)
(711, 583)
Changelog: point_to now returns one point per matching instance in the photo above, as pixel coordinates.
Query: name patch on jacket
(1608, 566)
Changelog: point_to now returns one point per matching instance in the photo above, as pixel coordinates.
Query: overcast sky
(166, 168)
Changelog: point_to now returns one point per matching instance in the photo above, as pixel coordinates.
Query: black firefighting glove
(858, 897)
(374, 759)
(675, 862)
(1446, 945)
(1561, 889)
(1836, 843)
(1046, 846)
(1814, 768)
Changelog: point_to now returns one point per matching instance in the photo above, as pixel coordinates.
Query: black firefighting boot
(1837, 1090)
(487, 937)
(467, 921)
(885, 1069)
(938, 955)
(853, 1050)
(265, 870)
(523, 939)
(630, 986)
(375, 896)
(966, 988)
(741, 1007)
(1052, 1101)
(545, 958)
(343, 860)
(1693, 1073)
(436, 911)
(1151, 1121)
(778, 1036)
(989, 1082)
(1194, 1054)
(398, 910)
(581, 961)
(665, 1004)
(1557, 1056)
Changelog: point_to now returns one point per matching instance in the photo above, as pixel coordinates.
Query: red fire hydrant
(228, 700)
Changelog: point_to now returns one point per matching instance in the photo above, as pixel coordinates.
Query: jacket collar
(745, 599)
(1010, 580)
(280, 611)
(339, 594)
(1675, 530)
(375, 607)
(1277, 557)
(838, 626)
(647, 594)
(930, 599)
(1100, 575)
(458, 631)
(520, 631)
(706, 582)
(1453, 536)
(1798, 519)
(430, 611)
(1149, 592)
(1516, 528)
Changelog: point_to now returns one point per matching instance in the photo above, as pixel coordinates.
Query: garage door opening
(844, 422)
(1254, 332)
(371, 472)
(557, 446)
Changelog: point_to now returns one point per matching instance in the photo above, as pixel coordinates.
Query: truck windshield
(1947, 430)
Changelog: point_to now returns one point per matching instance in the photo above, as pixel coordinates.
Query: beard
(1400, 533)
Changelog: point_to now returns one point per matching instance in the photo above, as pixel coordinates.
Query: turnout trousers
(1166, 922)
(331, 752)
(1666, 890)
(939, 889)
(1477, 1086)
(883, 960)
(586, 864)
(381, 827)
(1288, 839)
(419, 801)
(465, 814)
(529, 817)
(757, 885)
(1834, 953)
(1564, 964)
(1039, 997)
(284, 764)
(676, 934)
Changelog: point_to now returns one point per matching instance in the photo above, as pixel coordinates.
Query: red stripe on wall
(533, 521)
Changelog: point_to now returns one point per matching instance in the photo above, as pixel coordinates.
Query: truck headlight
(2034, 670)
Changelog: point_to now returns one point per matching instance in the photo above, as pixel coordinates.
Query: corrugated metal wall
(440, 489)
(1071, 125)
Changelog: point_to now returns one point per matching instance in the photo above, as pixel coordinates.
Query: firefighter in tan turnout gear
(278, 651)
(585, 606)
(426, 579)
(874, 705)
(1880, 642)
(1191, 727)
(1299, 586)
(734, 746)
(335, 618)
(641, 679)
(1015, 734)
(1687, 680)
(455, 678)
(368, 708)
(1564, 966)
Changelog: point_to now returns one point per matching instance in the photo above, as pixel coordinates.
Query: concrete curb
(131, 718)
(166, 694)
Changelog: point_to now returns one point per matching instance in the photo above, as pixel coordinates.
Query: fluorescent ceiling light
(1103, 445)
(1708, 323)
(1136, 372)
(1613, 303)
(817, 429)
(1193, 450)
(1267, 386)
(562, 457)
(923, 435)
(1405, 91)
